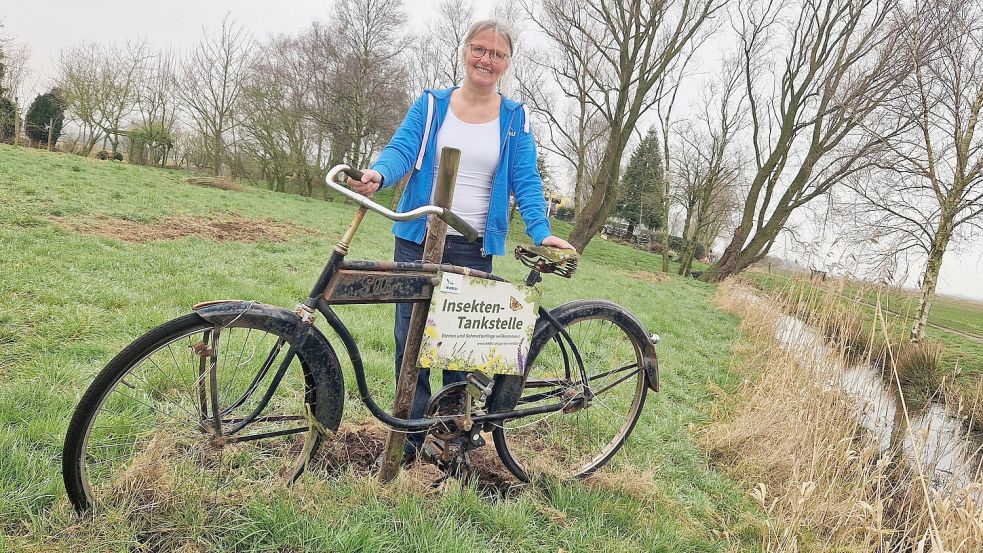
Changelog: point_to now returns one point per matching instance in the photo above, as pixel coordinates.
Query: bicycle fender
(319, 357)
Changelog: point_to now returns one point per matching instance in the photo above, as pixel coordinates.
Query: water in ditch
(934, 438)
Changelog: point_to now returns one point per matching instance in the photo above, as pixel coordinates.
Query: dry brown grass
(217, 227)
(221, 183)
(647, 276)
(823, 481)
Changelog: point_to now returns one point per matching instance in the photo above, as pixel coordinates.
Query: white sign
(477, 324)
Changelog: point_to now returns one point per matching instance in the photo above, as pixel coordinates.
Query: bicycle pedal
(474, 391)
(432, 450)
(479, 386)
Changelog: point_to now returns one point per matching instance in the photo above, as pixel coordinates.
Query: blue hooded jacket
(414, 147)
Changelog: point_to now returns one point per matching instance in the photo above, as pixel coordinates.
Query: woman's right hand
(370, 183)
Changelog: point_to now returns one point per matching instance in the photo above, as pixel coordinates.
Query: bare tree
(926, 191)
(840, 65)
(79, 82)
(121, 70)
(708, 170)
(210, 83)
(276, 114)
(708, 163)
(623, 49)
(99, 84)
(666, 94)
(573, 128)
(156, 99)
(368, 80)
(318, 50)
(437, 52)
(15, 69)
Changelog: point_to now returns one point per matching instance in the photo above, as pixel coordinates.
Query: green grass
(955, 313)
(70, 301)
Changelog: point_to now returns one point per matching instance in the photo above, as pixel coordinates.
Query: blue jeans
(457, 251)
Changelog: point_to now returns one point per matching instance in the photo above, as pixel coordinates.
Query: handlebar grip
(460, 225)
(353, 173)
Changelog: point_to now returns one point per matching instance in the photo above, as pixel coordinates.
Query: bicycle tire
(173, 441)
(607, 337)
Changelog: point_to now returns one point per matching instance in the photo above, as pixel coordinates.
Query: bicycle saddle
(548, 260)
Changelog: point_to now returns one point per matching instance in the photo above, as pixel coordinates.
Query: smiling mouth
(482, 69)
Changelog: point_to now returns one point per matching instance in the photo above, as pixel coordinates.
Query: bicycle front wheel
(162, 416)
(575, 442)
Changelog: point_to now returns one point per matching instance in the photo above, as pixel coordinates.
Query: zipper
(501, 154)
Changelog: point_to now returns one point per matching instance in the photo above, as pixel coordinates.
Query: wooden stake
(433, 252)
(51, 127)
(16, 120)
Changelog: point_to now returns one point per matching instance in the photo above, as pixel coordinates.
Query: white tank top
(479, 145)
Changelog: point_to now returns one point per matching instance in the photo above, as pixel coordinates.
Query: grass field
(959, 314)
(72, 295)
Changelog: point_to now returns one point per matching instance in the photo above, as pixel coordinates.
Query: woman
(498, 160)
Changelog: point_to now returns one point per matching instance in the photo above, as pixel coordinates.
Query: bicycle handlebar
(446, 215)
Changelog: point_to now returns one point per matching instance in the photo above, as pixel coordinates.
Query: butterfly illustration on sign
(514, 304)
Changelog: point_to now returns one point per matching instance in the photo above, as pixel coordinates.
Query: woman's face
(484, 72)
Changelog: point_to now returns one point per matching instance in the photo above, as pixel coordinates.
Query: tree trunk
(16, 122)
(737, 256)
(91, 144)
(595, 212)
(665, 218)
(216, 155)
(685, 255)
(930, 279)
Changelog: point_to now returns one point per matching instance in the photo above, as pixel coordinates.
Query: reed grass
(793, 437)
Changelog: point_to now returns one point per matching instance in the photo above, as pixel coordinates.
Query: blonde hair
(499, 27)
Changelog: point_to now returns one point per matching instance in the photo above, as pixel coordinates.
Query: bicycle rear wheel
(147, 425)
(580, 439)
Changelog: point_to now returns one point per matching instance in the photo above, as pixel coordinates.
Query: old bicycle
(239, 391)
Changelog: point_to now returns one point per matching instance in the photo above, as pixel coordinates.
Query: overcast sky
(48, 26)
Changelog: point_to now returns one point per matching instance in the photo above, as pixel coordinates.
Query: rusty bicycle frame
(344, 282)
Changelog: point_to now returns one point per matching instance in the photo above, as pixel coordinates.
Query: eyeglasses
(496, 56)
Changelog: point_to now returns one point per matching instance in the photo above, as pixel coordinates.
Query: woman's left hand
(557, 242)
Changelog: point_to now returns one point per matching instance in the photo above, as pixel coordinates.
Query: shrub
(106, 154)
(919, 365)
(46, 113)
(149, 143)
(7, 122)
(565, 213)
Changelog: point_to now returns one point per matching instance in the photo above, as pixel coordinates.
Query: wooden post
(433, 252)
(16, 120)
(51, 127)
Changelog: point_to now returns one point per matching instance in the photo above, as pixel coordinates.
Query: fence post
(16, 120)
(433, 252)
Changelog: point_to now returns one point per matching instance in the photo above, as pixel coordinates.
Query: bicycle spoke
(586, 437)
(151, 416)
